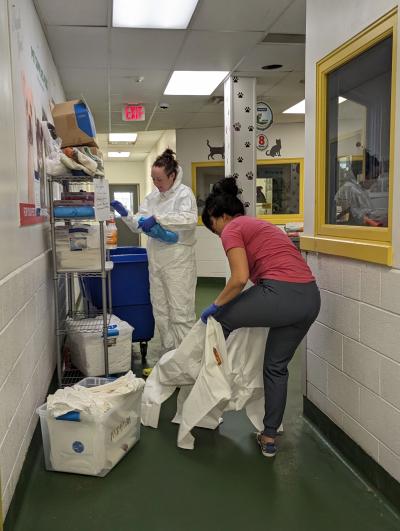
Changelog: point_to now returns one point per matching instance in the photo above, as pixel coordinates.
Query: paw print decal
(247, 204)
(240, 94)
(240, 190)
(247, 144)
(240, 159)
(235, 79)
(235, 175)
(237, 126)
(247, 109)
(250, 175)
(251, 128)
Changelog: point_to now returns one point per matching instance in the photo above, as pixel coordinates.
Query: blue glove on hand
(213, 308)
(159, 233)
(119, 207)
(147, 223)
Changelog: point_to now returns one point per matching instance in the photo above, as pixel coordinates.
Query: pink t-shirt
(270, 253)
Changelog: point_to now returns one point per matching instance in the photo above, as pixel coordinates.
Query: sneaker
(267, 449)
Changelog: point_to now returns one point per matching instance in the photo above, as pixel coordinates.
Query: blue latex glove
(158, 232)
(147, 224)
(119, 207)
(213, 308)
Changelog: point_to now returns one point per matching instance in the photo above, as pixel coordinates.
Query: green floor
(224, 484)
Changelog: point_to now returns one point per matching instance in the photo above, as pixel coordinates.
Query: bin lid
(128, 254)
(128, 258)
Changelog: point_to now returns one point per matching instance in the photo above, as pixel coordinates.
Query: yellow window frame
(277, 219)
(196, 165)
(362, 243)
(281, 219)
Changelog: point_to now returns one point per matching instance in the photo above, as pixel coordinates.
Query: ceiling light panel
(174, 14)
(122, 137)
(118, 154)
(194, 83)
(299, 108)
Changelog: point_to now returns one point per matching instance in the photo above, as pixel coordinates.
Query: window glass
(126, 198)
(358, 139)
(206, 176)
(278, 189)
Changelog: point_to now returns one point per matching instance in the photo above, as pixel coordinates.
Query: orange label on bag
(217, 356)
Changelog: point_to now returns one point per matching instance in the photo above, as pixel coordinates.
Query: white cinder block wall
(353, 354)
(27, 354)
(353, 349)
(27, 347)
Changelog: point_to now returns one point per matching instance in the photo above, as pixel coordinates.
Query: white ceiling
(103, 63)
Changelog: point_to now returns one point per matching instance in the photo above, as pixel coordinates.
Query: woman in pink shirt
(284, 298)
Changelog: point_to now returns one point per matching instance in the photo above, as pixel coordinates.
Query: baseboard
(365, 465)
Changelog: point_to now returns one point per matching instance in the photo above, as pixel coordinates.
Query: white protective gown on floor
(213, 377)
(172, 267)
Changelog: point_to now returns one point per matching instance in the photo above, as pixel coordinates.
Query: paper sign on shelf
(101, 199)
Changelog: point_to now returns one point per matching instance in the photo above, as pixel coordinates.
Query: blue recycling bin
(130, 289)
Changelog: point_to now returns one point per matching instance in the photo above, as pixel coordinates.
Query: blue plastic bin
(130, 290)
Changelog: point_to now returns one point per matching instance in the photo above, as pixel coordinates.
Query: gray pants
(288, 310)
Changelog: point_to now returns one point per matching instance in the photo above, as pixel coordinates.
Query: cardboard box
(74, 123)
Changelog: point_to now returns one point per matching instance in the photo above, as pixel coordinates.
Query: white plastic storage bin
(78, 247)
(92, 445)
(87, 352)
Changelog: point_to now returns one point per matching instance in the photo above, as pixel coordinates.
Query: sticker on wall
(275, 150)
(240, 94)
(262, 142)
(264, 116)
(237, 126)
(214, 150)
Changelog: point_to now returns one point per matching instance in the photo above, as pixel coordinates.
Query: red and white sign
(262, 142)
(133, 113)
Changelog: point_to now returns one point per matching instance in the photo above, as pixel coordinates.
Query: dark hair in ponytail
(167, 161)
(223, 199)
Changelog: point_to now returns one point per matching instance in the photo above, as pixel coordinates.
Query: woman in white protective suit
(168, 215)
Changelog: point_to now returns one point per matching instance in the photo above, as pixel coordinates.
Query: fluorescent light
(299, 108)
(118, 154)
(174, 14)
(122, 137)
(341, 99)
(194, 83)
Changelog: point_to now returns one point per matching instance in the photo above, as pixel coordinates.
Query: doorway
(128, 195)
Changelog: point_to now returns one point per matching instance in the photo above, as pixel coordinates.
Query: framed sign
(262, 142)
(264, 116)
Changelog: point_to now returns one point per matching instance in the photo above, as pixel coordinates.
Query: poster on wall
(35, 88)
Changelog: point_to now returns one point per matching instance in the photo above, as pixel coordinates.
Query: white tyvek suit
(172, 267)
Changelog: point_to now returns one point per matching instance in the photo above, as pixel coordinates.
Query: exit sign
(133, 113)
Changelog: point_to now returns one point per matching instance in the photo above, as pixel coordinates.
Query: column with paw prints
(240, 136)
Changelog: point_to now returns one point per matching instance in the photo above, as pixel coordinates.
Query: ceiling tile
(291, 56)
(205, 120)
(170, 121)
(125, 88)
(73, 12)
(293, 20)
(145, 49)
(74, 47)
(225, 15)
(205, 50)
(91, 83)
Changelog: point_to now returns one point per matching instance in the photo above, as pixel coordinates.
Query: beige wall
(353, 356)
(192, 146)
(127, 173)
